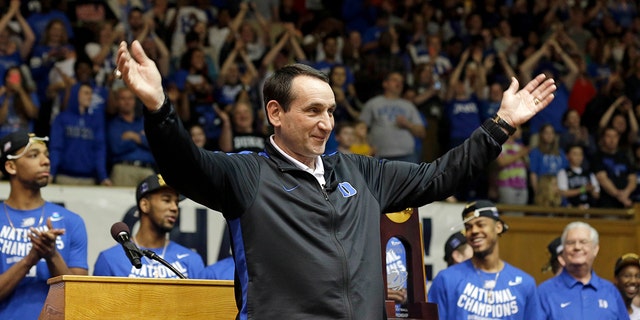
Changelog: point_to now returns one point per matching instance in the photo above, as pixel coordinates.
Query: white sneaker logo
(516, 282)
(180, 256)
(564, 304)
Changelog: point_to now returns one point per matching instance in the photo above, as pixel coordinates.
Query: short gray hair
(595, 238)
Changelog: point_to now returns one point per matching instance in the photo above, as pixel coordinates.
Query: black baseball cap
(153, 183)
(555, 249)
(482, 208)
(454, 242)
(12, 142)
(628, 259)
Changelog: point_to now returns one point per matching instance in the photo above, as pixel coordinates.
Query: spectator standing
(41, 19)
(14, 52)
(102, 50)
(197, 135)
(595, 109)
(54, 50)
(512, 166)
(345, 136)
(361, 140)
(546, 158)
(196, 94)
(129, 152)
(376, 65)
(433, 56)
(466, 87)
(238, 131)
(560, 103)
(578, 185)
(614, 172)
(348, 104)
(576, 134)
(393, 122)
(55, 236)
(232, 79)
(186, 17)
(429, 89)
(621, 116)
(78, 143)
(18, 105)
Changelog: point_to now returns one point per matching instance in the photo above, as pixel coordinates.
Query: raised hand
(140, 74)
(518, 106)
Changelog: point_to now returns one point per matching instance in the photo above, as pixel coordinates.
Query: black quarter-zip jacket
(304, 251)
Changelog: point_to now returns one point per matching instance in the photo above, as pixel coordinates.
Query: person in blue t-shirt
(39, 239)
(158, 209)
(577, 292)
(222, 270)
(484, 287)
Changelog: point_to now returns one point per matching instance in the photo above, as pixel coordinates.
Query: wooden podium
(405, 226)
(88, 297)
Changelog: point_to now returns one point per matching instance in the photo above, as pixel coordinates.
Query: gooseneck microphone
(120, 232)
(152, 255)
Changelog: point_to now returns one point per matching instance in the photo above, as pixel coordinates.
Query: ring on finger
(117, 74)
(536, 101)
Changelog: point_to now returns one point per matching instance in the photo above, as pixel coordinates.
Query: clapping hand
(44, 242)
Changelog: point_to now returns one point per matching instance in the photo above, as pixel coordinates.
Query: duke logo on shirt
(603, 304)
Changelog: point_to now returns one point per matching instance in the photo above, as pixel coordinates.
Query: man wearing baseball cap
(39, 239)
(456, 249)
(627, 279)
(556, 262)
(484, 287)
(158, 211)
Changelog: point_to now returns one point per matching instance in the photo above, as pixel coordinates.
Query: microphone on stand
(120, 232)
(152, 255)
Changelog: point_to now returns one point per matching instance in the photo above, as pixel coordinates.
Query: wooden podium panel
(89, 297)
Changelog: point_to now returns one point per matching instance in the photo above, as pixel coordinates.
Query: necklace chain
(489, 285)
(154, 263)
(4, 205)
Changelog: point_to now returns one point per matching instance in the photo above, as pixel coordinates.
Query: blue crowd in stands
(454, 57)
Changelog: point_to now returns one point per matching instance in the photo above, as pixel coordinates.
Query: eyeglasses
(32, 139)
(572, 243)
